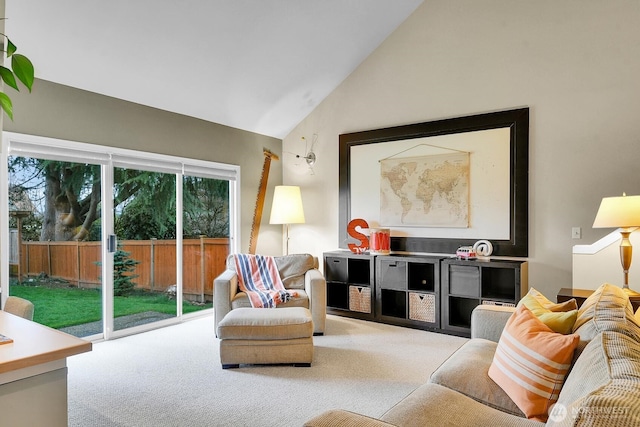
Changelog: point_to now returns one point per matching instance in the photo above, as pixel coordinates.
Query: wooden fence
(78, 263)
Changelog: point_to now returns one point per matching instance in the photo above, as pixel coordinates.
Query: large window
(107, 241)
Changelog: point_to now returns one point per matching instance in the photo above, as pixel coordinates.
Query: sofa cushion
(340, 417)
(558, 321)
(432, 405)
(603, 387)
(607, 309)
(531, 362)
(266, 324)
(300, 299)
(466, 371)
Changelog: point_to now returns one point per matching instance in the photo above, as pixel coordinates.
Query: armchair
(297, 271)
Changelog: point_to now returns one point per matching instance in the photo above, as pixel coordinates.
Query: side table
(580, 295)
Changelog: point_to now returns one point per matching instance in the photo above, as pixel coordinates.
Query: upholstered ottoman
(266, 336)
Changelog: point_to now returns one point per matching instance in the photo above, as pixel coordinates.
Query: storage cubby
(460, 311)
(336, 269)
(407, 290)
(350, 281)
(359, 271)
(393, 303)
(422, 277)
(392, 273)
(467, 283)
(498, 283)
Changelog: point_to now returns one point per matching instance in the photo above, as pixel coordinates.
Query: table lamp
(287, 208)
(623, 213)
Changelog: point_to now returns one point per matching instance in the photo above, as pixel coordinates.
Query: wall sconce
(287, 208)
(624, 213)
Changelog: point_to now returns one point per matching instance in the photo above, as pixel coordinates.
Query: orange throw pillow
(531, 363)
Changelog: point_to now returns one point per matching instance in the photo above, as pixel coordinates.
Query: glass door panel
(55, 241)
(144, 276)
(205, 239)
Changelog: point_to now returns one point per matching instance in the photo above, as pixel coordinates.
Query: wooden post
(202, 267)
(152, 264)
(27, 249)
(78, 262)
(49, 257)
(19, 220)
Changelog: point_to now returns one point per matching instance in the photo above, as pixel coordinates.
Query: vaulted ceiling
(257, 65)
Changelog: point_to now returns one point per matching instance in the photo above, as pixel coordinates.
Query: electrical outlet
(576, 233)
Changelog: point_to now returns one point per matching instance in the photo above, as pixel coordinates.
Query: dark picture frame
(517, 120)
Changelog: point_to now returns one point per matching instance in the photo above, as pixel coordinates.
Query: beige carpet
(172, 377)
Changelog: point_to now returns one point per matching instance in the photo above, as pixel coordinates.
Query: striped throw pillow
(531, 363)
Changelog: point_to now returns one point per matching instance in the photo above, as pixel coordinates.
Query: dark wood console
(424, 292)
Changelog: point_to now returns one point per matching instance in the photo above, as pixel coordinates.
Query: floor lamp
(623, 213)
(287, 209)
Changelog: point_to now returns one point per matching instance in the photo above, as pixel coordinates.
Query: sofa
(602, 387)
(298, 272)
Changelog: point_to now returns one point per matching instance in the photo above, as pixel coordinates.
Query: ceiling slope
(257, 65)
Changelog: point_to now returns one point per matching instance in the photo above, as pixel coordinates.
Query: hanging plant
(21, 69)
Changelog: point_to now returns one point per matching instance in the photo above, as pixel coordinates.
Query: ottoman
(266, 336)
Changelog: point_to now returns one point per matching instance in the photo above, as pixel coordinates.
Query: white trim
(599, 245)
(25, 145)
(108, 228)
(179, 244)
(4, 227)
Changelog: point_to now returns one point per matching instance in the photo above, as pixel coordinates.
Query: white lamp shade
(287, 205)
(618, 212)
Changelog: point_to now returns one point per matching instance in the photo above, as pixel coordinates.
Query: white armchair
(298, 272)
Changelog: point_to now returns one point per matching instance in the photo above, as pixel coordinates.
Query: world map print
(430, 191)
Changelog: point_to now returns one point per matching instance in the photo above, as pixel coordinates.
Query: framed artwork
(442, 184)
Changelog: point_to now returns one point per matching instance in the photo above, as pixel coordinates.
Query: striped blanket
(258, 276)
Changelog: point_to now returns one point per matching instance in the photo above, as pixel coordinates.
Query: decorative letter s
(364, 240)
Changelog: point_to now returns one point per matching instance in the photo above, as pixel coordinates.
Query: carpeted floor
(172, 377)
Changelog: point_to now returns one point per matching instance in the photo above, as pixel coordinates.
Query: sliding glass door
(144, 264)
(56, 241)
(206, 224)
(108, 242)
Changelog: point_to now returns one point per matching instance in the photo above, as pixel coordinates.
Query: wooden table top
(34, 344)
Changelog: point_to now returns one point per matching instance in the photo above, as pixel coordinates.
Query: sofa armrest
(225, 287)
(342, 418)
(488, 321)
(316, 287)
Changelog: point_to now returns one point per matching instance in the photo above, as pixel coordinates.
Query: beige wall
(58, 111)
(575, 63)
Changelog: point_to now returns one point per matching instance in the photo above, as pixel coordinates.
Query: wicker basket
(422, 307)
(360, 299)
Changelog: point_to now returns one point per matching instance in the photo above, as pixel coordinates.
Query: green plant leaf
(8, 77)
(11, 48)
(23, 69)
(6, 105)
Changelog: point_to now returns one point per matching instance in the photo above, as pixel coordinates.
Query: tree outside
(66, 198)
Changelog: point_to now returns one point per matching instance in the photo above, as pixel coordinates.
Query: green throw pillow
(557, 321)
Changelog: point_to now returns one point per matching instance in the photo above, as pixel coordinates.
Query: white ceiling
(258, 65)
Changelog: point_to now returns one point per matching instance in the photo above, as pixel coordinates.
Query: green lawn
(58, 307)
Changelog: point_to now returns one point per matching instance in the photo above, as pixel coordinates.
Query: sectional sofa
(602, 387)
